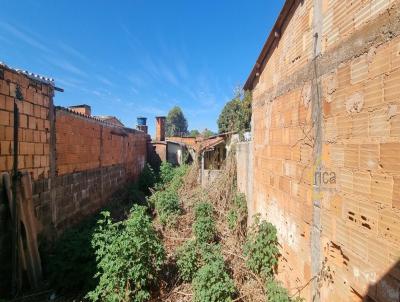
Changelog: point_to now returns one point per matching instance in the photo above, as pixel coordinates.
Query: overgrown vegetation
(236, 114)
(207, 256)
(204, 225)
(277, 293)
(261, 249)
(166, 200)
(188, 260)
(72, 263)
(237, 214)
(129, 255)
(166, 203)
(261, 252)
(200, 260)
(213, 283)
(147, 180)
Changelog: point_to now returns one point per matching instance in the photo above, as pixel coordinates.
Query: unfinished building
(326, 147)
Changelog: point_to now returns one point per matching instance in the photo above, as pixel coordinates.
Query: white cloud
(24, 36)
(104, 80)
(72, 51)
(66, 66)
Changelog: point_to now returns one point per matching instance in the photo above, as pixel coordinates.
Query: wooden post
(15, 279)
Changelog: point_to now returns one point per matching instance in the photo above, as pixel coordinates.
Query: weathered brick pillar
(160, 128)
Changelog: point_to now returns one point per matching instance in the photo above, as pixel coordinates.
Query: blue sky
(139, 58)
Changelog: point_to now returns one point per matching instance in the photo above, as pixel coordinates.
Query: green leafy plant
(166, 173)
(188, 260)
(261, 249)
(201, 261)
(71, 263)
(213, 283)
(232, 219)
(147, 179)
(192, 255)
(237, 215)
(177, 179)
(166, 199)
(129, 255)
(167, 205)
(277, 293)
(204, 225)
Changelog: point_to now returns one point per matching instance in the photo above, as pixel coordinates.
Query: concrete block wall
(244, 170)
(338, 114)
(67, 199)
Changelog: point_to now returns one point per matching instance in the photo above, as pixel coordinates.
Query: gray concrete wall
(244, 168)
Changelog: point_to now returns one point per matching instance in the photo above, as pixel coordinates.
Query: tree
(194, 133)
(236, 114)
(207, 133)
(176, 123)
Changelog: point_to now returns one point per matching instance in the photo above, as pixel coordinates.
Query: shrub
(179, 173)
(166, 199)
(237, 215)
(212, 283)
(129, 255)
(147, 179)
(192, 255)
(188, 260)
(232, 218)
(71, 262)
(166, 173)
(167, 205)
(261, 249)
(277, 293)
(201, 261)
(210, 252)
(204, 226)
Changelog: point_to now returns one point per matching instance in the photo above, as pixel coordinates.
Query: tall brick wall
(92, 159)
(341, 114)
(33, 99)
(76, 162)
(34, 125)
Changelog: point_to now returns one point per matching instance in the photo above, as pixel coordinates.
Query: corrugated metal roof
(87, 116)
(33, 76)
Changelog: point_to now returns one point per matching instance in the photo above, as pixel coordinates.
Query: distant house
(212, 152)
(110, 119)
(87, 110)
(175, 150)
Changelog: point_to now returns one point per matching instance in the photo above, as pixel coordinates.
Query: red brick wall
(78, 143)
(160, 149)
(359, 90)
(34, 129)
(76, 162)
(84, 143)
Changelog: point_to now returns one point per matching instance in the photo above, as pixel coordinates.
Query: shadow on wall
(386, 289)
(154, 158)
